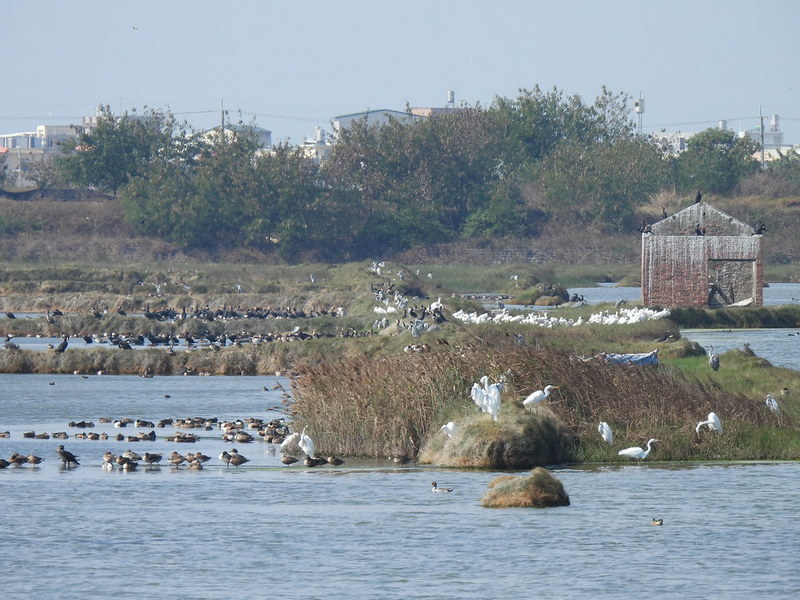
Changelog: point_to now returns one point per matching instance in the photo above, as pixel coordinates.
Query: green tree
(3, 168)
(114, 148)
(715, 161)
(603, 182)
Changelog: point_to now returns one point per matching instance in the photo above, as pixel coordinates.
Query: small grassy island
(381, 358)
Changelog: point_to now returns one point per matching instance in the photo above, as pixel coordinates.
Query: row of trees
(501, 171)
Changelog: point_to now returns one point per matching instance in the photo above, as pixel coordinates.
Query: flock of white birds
(543, 319)
(488, 397)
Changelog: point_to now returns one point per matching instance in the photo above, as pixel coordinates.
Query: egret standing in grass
(636, 452)
(494, 398)
(538, 396)
(606, 433)
(713, 422)
(450, 429)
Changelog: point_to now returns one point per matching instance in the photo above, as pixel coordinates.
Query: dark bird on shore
(288, 459)
(664, 214)
(747, 350)
(698, 197)
(9, 345)
(67, 457)
(88, 339)
(11, 315)
(124, 345)
(335, 461)
(63, 345)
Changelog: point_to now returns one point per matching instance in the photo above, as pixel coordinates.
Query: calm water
(781, 347)
(362, 530)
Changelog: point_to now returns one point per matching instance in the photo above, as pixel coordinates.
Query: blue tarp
(646, 358)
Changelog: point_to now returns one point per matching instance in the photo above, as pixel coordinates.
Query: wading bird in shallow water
(606, 433)
(713, 422)
(637, 452)
(67, 457)
(439, 490)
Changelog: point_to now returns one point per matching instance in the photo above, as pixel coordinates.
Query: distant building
(371, 117)
(318, 148)
(702, 257)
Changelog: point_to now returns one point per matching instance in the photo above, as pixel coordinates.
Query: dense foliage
(477, 173)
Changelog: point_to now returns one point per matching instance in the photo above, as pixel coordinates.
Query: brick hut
(702, 257)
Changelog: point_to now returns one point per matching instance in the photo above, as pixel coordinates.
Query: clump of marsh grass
(518, 440)
(538, 489)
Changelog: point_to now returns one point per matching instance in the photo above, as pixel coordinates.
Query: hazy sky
(294, 64)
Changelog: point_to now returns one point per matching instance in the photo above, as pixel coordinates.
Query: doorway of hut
(731, 282)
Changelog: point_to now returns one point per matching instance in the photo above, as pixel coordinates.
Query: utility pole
(222, 121)
(761, 120)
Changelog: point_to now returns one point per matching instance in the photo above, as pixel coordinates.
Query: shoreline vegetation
(381, 383)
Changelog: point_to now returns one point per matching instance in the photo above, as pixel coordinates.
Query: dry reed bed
(390, 407)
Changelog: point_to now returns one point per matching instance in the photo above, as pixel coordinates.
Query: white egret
(713, 360)
(772, 404)
(606, 433)
(450, 429)
(307, 444)
(637, 452)
(493, 399)
(713, 422)
(477, 394)
(538, 396)
(439, 490)
(290, 441)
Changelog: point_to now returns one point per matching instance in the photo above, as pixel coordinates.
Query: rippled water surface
(363, 530)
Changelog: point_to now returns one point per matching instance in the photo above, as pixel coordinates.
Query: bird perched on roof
(67, 457)
(698, 197)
